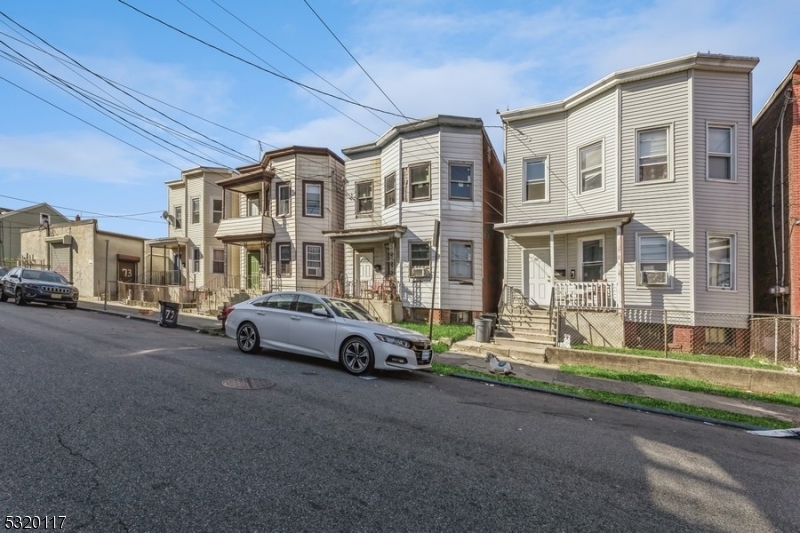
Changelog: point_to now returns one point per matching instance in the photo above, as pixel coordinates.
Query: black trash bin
(169, 314)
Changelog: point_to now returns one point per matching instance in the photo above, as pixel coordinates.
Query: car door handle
(295, 318)
(261, 313)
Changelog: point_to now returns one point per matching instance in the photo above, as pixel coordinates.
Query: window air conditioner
(419, 272)
(313, 271)
(654, 277)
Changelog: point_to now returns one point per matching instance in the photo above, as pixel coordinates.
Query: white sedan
(329, 328)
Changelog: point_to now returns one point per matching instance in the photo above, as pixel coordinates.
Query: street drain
(248, 383)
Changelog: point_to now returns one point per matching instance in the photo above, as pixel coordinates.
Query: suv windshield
(350, 310)
(40, 275)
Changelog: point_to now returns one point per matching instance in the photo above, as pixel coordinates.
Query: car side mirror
(320, 311)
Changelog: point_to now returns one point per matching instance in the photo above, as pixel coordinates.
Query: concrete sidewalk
(550, 374)
(187, 321)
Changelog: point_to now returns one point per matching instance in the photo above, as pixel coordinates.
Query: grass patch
(679, 356)
(612, 397)
(457, 332)
(671, 382)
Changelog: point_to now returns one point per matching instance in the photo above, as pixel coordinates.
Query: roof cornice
(782, 86)
(712, 62)
(437, 121)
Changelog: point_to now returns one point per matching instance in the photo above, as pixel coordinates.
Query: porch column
(620, 267)
(552, 257)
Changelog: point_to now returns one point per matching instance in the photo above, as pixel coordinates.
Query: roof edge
(414, 125)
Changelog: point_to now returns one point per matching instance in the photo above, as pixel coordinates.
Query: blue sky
(460, 57)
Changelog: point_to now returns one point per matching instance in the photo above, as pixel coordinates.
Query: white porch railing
(587, 295)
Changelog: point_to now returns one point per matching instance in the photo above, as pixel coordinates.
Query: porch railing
(586, 295)
(385, 290)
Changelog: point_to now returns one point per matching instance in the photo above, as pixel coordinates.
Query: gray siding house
(634, 193)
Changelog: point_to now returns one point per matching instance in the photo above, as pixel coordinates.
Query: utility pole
(105, 292)
(435, 243)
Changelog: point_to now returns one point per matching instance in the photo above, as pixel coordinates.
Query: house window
(218, 262)
(195, 210)
(719, 336)
(420, 253)
(364, 197)
(420, 182)
(460, 260)
(592, 264)
(216, 211)
(461, 182)
(591, 166)
(196, 260)
(284, 195)
(313, 199)
(178, 216)
(535, 180)
(284, 259)
(312, 261)
(254, 204)
(720, 153)
(390, 190)
(653, 253)
(653, 156)
(720, 261)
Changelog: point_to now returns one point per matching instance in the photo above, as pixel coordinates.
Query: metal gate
(61, 259)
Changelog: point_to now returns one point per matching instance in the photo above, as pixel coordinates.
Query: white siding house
(634, 192)
(437, 169)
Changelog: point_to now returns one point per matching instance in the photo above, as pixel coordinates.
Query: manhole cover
(248, 383)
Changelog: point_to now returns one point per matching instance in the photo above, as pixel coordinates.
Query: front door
(365, 270)
(253, 269)
(539, 277)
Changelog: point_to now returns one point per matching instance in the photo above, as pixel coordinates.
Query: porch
(166, 263)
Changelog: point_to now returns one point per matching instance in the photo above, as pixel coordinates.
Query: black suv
(34, 285)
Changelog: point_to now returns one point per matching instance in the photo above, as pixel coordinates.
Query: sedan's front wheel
(357, 357)
(18, 298)
(247, 338)
(3, 295)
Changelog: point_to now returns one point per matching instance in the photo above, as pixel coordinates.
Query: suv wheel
(18, 298)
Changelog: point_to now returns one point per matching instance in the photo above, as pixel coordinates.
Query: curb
(143, 319)
(635, 407)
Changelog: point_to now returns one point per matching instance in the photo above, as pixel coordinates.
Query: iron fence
(772, 338)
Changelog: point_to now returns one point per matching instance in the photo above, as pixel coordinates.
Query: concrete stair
(525, 324)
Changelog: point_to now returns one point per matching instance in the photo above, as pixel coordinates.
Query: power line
(82, 210)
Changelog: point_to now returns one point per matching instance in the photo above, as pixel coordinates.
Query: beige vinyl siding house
(14, 221)
(634, 193)
(397, 188)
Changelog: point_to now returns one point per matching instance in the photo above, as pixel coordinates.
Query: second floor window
(461, 182)
(178, 216)
(216, 211)
(364, 197)
(535, 180)
(591, 167)
(720, 153)
(253, 204)
(284, 196)
(195, 210)
(653, 156)
(390, 190)
(420, 182)
(313, 199)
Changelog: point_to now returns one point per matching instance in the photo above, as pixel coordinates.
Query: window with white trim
(460, 181)
(390, 190)
(591, 259)
(312, 254)
(364, 197)
(196, 260)
(535, 179)
(653, 153)
(253, 204)
(218, 261)
(420, 182)
(178, 216)
(195, 210)
(653, 257)
(720, 153)
(216, 210)
(460, 260)
(284, 199)
(284, 259)
(313, 199)
(420, 254)
(721, 266)
(591, 167)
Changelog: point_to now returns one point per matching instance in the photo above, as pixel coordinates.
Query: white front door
(539, 277)
(365, 270)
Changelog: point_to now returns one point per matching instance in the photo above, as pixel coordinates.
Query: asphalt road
(120, 425)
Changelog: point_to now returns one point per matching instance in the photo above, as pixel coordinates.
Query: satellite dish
(165, 215)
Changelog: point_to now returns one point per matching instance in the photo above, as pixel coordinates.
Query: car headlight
(394, 340)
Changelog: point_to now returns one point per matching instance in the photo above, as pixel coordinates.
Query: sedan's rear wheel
(247, 338)
(357, 357)
(18, 298)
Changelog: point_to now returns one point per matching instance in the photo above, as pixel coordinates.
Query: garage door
(61, 259)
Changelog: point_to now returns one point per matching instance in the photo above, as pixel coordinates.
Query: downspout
(400, 192)
(780, 270)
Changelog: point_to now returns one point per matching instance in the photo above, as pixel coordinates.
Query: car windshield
(350, 310)
(40, 275)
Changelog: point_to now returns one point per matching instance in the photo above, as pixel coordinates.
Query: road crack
(94, 481)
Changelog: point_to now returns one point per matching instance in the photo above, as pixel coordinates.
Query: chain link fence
(774, 338)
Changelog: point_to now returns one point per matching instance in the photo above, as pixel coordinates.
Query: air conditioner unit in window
(654, 277)
(420, 272)
(313, 271)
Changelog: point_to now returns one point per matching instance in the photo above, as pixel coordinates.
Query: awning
(168, 242)
(544, 226)
(366, 235)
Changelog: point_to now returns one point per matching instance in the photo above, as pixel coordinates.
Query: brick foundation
(690, 339)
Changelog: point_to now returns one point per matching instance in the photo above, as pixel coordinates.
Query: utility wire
(81, 210)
